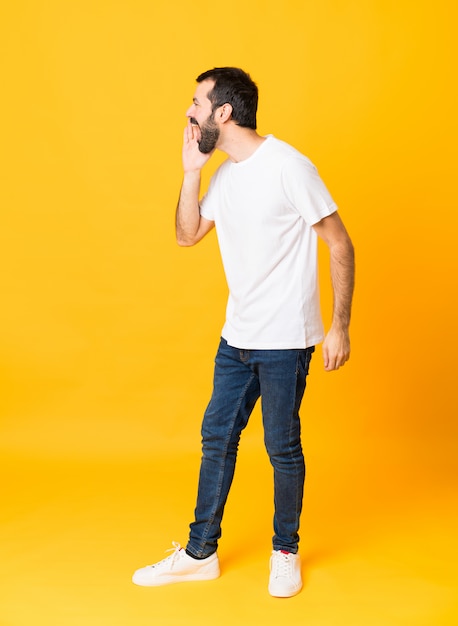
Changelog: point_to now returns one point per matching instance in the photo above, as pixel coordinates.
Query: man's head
(233, 86)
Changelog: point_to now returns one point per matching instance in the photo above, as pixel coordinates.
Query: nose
(190, 111)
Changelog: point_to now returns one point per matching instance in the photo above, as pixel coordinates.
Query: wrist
(340, 326)
(192, 173)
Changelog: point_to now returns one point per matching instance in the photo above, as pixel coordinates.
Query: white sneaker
(178, 567)
(285, 574)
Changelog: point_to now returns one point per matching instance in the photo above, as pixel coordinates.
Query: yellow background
(108, 329)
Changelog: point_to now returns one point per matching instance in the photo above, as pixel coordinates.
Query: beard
(209, 135)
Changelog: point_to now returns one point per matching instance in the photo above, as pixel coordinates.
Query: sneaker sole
(169, 580)
(284, 594)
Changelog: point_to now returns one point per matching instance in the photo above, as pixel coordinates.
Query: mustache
(193, 121)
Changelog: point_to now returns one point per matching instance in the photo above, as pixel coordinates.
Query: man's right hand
(193, 158)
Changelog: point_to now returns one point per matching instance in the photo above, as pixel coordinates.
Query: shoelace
(169, 559)
(282, 565)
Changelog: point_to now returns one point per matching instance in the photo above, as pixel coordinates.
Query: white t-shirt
(264, 208)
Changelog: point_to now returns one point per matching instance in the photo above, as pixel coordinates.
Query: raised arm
(336, 346)
(190, 226)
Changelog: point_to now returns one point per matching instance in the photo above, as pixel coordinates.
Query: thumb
(325, 356)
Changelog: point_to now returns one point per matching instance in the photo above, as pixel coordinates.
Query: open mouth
(193, 121)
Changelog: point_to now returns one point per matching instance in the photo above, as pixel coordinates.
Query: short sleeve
(305, 190)
(206, 209)
(210, 201)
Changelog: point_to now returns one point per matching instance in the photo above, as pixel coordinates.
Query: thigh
(235, 392)
(282, 375)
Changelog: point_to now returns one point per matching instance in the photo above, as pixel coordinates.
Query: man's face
(200, 114)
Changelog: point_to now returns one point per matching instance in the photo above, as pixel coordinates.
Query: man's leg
(235, 392)
(236, 389)
(282, 376)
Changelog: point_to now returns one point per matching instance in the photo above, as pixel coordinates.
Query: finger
(325, 357)
(189, 132)
(195, 132)
(333, 362)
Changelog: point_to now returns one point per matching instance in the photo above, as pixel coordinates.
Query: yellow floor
(375, 552)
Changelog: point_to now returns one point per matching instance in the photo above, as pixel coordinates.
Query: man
(268, 205)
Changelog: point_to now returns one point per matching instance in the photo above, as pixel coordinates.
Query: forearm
(342, 259)
(188, 212)
(336, 346)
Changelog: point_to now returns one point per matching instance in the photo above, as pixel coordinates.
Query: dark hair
(233, 86)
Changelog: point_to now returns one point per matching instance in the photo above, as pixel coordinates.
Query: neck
(240, 143)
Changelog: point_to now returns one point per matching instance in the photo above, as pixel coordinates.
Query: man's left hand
(336, 349)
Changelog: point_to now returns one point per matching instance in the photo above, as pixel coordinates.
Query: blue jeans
(240, 378)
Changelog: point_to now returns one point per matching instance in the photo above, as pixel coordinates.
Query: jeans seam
(297, 466)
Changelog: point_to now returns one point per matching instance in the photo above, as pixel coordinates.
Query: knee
(216, 444)
(283, 453)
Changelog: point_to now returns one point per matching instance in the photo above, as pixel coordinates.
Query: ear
(224, 112)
